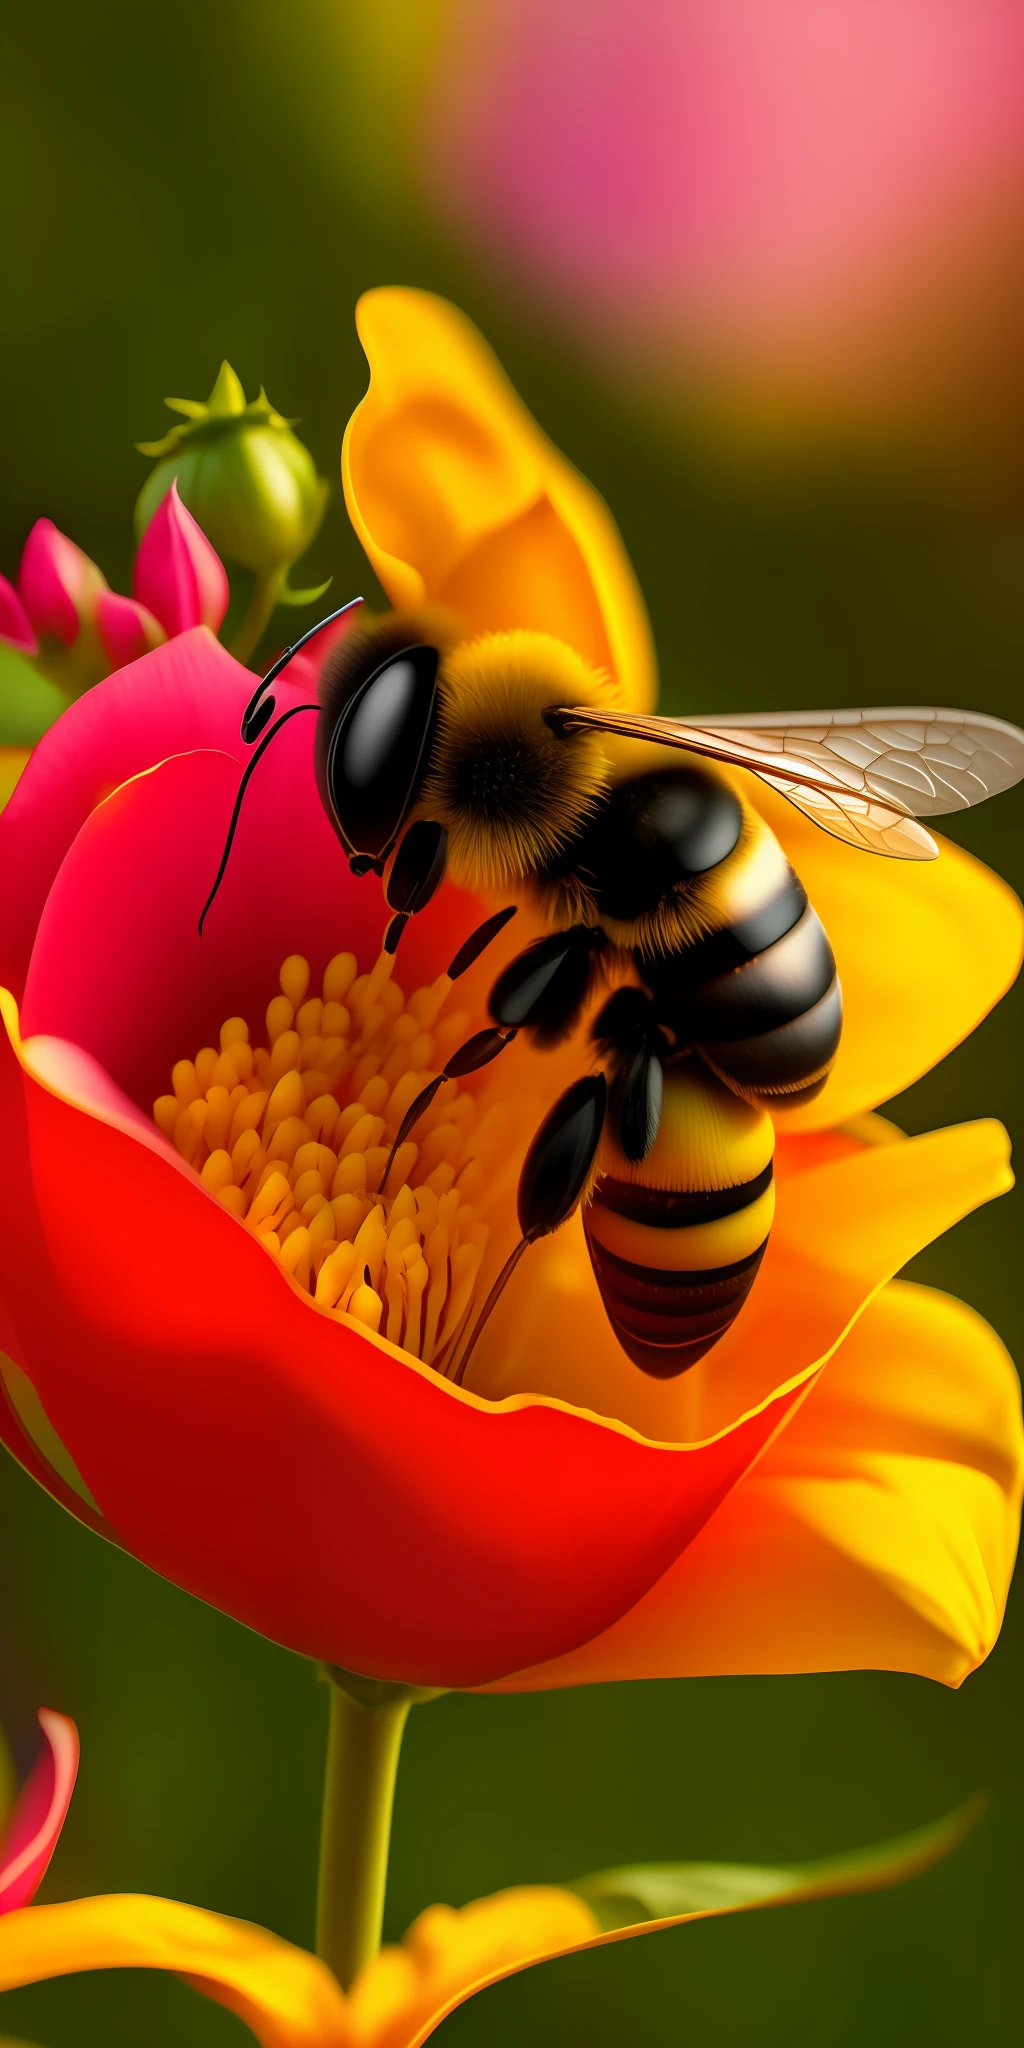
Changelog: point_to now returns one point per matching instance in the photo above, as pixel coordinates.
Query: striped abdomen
(760, 998)
(676, 1240)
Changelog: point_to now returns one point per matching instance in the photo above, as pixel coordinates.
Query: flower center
(293, 1137)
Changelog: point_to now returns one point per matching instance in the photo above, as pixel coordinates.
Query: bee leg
(477, 1052)
(472, 947)
(416, 872)
(544, 989)
(555, 1173)
(637, 1103)
(541, 991)
(627, 1030)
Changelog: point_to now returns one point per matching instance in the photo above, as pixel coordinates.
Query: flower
(126, 628)
(294, 1459)
(819, 199)
(28, 1833)
(52, 615)
(75, 630)
(249, 481)
(177, 573)
(290, 2000)
(15, 624)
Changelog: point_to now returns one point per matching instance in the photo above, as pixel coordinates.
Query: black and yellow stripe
(759, 998)
(676, 1240)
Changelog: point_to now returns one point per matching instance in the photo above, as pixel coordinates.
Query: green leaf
(653, 1892)
(29, 703)
(288, 596)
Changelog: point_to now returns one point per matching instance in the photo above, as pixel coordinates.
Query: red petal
(39, 1813)
(316, 1484)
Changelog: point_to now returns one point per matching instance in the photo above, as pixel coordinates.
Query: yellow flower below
(291, 2000)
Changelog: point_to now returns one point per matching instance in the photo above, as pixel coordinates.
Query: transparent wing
(864, 776)
(866, 822)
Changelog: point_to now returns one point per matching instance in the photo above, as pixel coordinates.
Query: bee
(488, 762)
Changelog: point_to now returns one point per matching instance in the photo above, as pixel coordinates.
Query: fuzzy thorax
(510, 792)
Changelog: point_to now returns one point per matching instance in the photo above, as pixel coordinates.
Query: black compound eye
(380, 749)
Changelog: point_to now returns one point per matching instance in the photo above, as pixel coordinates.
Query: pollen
(292, 1133)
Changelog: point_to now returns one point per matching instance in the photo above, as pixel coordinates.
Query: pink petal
(177, 574)
(118, 968)
(304, 670)
(55, 582)
(189, 693)
(15, 624)
(39, 1813)
(126, 629)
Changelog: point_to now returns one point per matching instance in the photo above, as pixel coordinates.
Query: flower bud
(58, 591)
(243, 474)
(126, 629)
(57, 584)
(15, 624)
(178, 577)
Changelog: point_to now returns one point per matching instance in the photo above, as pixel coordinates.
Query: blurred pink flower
(30, 1836)
(178, 576)
(744, 183)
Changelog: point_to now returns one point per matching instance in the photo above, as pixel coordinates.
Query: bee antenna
(257, 714)
(242, 787)
(260, 709)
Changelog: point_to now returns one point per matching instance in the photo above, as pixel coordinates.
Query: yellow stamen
(292, 1137)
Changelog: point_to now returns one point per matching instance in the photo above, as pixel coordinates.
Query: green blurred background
(183, 183)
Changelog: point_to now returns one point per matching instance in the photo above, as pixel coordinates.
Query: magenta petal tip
(57, 583)
(126, 629)
(178, 576)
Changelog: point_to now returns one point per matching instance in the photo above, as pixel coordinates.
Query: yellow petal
(460, 500)
(841, 1229)
(877, 1532)
(448, 1955)
(287, 1998)
(924, 949)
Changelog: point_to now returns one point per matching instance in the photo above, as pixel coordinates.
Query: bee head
(376, 730)
(510, 792)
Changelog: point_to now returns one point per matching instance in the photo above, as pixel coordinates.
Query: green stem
(255, 618)
(362, 1764)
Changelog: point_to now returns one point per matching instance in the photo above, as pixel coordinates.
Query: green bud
(243, 475)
